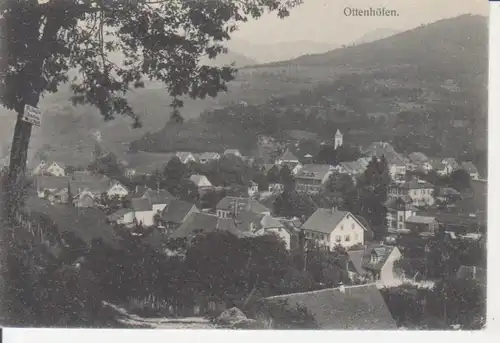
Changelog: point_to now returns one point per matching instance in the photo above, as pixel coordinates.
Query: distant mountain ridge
(280, 51)
(426, 57)
(375, 35)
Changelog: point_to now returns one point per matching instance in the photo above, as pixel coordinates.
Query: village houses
(375, 262)
(422, 225)
(185, 157)
(230, 206)
(312, 177)
(54, 169)
(330, 227)
(420, 191)
(398, 210)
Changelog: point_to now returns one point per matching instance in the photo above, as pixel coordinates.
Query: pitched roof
(156, 197)
(353, 167)
(288, 156)
(119, 214)
(198, 179)
(325, 220)
(60, 164)
(420, 220)
(469, 167)
(361, 258)
(338, 133)
(52, 182)
(352, 307)
(139, 204)
(393, 203)
(202, 222)
(227, 203)
(176, 211)
(313, 171)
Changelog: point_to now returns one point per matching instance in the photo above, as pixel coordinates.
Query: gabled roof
(338, 133)
(156, 197)
(119, 214)
(176, 211)
(420, 220)
(350, 308)
(361, 258)
(325, 220)
(60, 164)
(141, 205)
(353, 167)
(288, 156)
(52, 182)
(199, 179)
(202, 222)
(313, 171)
(393, 203)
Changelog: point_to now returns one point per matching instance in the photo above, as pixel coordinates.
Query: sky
(324, 20)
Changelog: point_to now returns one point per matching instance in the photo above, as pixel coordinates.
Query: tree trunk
(17, 166)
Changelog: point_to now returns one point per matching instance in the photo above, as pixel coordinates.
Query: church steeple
(339, 139)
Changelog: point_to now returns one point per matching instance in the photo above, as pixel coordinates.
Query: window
(338, 238)
(352, 226)
(341, 227)
(400, 218)
(347, 238)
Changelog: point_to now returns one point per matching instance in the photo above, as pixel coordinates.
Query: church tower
(339, 139)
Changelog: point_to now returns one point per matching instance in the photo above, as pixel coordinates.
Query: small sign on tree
(32, 115)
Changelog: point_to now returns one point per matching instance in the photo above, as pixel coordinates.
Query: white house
(421, 192)
(185, 157)
(253, 188)
(117, 190)
(143, 212)
(329, 227)
(312, 177)
(158, 199)
(56, 169)
(377, 263)
(200, 181)
(40, 168)
(271, 226)
(123, 216)
(398, 210)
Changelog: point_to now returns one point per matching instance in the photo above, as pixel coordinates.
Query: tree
(286, 178)
(43, 42)
(373, 195)
(273, 174)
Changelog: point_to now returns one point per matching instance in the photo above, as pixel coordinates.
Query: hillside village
(299, 201)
